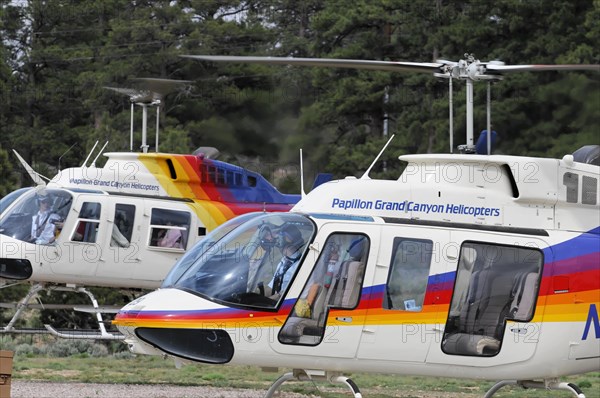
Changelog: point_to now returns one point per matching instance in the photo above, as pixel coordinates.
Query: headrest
(356, 249)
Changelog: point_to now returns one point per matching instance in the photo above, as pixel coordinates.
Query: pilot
(291, 242)
(261, 254)
(44, 223)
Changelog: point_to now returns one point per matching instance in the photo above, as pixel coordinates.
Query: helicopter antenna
(99, 153)
(35, 176)
(157, 124)
(302, 176)
(89, 154)
(451, 114)
(64, 153)
(365, 176)
(489, 118)
(131, 130)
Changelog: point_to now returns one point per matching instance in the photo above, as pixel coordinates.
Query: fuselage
(127, 223)
(466, 266)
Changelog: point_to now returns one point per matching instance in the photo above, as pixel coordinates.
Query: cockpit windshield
(37, 216)
(192, 255)
(8, 200)
(253, 264)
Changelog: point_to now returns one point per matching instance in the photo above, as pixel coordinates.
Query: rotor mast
(469, 70)
(148, 92)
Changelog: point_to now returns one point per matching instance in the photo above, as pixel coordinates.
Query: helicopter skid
(542, 385)
(100, 334)
(314, 375)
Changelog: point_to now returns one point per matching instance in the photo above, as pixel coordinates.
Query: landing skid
(100, 334)
(542, 385)
(311, 375)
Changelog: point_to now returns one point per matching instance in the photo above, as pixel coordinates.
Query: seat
(521, 308)
(349, 284)
(461, 286)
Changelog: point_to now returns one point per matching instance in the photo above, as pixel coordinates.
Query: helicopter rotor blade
(478, 70)
(538, 68)
(420, 67)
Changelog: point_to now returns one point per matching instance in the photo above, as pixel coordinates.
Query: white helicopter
(467, 265)
(122, 225)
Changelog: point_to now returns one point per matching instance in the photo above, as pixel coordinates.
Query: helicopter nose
(14, 263)
(15, 269)
(203, 345)
(176, 332)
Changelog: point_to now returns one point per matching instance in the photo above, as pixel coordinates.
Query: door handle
(347, 319)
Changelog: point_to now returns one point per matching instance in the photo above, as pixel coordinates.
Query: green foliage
(8, 180)
(57, 57)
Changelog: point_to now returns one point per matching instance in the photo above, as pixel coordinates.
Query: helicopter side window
(409, 274)
(238, 179)
(588, 190)
(169, 229)
(335, 282)
(220, 176)
(571, 182)
(123, 225)
(89, 221)
(493, 284)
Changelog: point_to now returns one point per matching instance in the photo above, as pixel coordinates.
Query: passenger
(171, 238)
(117, 238)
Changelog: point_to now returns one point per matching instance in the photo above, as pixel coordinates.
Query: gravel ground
(42, 389)
(32, 389)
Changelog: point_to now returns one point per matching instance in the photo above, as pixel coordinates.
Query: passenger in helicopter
(323, 276)
(291, 242)
(171, 237)
(117, 237)
(45, 222)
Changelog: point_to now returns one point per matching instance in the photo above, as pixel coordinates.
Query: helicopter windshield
(204, 244)
(37, 216)
(252, 265)
(8, 200)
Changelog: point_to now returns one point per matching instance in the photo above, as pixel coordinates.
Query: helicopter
(122, 225)
(468, 265)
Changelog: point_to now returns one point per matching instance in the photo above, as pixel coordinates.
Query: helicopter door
(404, 315)
(493, 303)
(82, 250)
(325, 318)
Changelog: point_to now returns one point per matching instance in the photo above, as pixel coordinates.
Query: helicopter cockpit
(249, 266)
(36, 216)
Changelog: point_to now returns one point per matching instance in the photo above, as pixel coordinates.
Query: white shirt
(43, 227)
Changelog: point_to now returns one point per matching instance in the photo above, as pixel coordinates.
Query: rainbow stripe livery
(468, 266)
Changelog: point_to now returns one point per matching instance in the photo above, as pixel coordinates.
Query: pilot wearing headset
(291, 243)
(44, 222)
